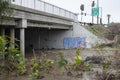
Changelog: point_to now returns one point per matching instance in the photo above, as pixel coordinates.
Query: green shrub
(105, 65)
(40, 65)
(35, 69)
(78, 59)
(61, 60)
(88, 66)
(12, 57)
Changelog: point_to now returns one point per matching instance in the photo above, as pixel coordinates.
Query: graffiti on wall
(75, 42)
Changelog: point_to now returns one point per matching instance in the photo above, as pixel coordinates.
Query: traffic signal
(93, 3)
(82, 7)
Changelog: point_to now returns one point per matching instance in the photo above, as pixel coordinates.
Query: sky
(111, 7)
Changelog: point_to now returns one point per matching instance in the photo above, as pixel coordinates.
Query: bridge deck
(46, 7)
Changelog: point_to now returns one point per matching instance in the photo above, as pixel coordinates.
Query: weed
(88, 66)
(61, 60)
(38, 66)
(105, 65)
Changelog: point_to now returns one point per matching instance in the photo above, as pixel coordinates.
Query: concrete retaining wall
(53, 38)
(91, 39)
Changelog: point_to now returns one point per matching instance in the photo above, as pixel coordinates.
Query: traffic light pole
(93, 4)
(82, 9)
(81, 16)
(98, 15)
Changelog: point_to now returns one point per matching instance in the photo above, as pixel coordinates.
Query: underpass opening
(45, 38)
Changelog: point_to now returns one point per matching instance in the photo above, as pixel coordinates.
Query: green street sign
(95, 11)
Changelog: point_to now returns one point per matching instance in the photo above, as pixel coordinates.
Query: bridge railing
(46, 7)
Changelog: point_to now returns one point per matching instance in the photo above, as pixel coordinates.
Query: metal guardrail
(46, 7)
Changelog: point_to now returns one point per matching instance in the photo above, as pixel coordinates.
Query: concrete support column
(22, 40)
(22, 24)
(3, 32)
(12, 35)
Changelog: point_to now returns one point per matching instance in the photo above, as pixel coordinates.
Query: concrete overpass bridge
(37, 23)
(41, 25)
